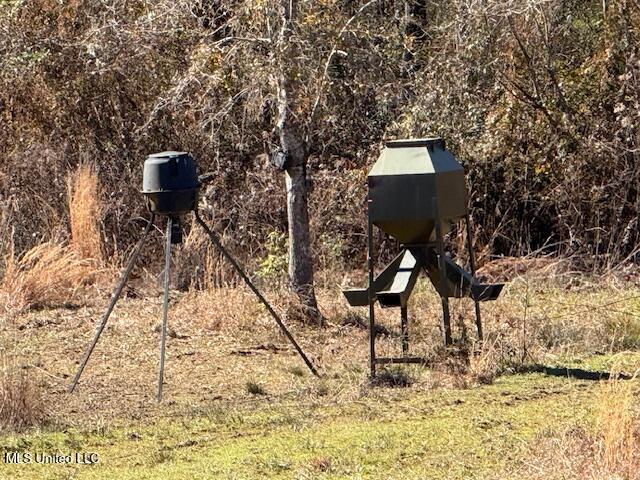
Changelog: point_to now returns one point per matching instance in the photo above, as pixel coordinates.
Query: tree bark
(295, 150)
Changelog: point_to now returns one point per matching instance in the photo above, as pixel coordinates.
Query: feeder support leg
(446, 318)
(112, 303)
(404, 327)
(216, 241)
(472, 265)
(165, 307)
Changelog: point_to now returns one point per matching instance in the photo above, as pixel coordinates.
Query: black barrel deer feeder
(171, 186)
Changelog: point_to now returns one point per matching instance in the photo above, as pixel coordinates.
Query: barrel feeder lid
(169, 171)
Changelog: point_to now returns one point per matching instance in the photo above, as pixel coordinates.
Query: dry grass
(611, 450)
(21, 402)
(507, 268)
(226, 310)
(484, 365)
(226, 350)
(393, 377)
(224, 337)
(619, 430)
(48, 275)
(199, 265)
(84, 212)
(6, 231)
(51, 273)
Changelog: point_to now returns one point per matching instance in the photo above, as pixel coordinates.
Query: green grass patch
(406, 434)
(622, 362)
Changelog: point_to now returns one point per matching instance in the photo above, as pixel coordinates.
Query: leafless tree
(295, 157)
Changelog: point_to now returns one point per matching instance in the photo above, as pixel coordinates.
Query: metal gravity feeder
(416, 192)
(171, 185)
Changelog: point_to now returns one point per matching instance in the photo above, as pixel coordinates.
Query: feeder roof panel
(415, 157)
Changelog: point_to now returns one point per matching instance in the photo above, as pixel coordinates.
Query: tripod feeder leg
(112, 302)
(165, 307)
(216, 241)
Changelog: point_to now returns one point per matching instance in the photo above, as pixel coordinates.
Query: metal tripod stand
(165, 304)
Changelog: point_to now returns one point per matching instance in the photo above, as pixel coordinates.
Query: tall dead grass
(484, 365)
(6, 230)
(21, 401)
(49, 275)
(611, 450)
(84, 212)
(52, 273)
(227, 310)
(199, 265)
(619, 430)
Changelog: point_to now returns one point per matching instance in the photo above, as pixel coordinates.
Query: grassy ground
(472, 433)
(240, 404)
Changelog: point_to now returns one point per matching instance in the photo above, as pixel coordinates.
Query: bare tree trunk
(300, 260)
(295, 151)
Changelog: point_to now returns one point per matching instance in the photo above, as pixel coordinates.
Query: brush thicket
(21, 402)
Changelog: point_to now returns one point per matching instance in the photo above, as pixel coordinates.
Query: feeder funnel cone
(414, 184)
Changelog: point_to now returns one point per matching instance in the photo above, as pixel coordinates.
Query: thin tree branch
(227, 40)
(327, 64)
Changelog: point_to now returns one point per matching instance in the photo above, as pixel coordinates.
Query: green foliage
(274, 265)
(11, 5)
(26, 60)
(332, 250)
